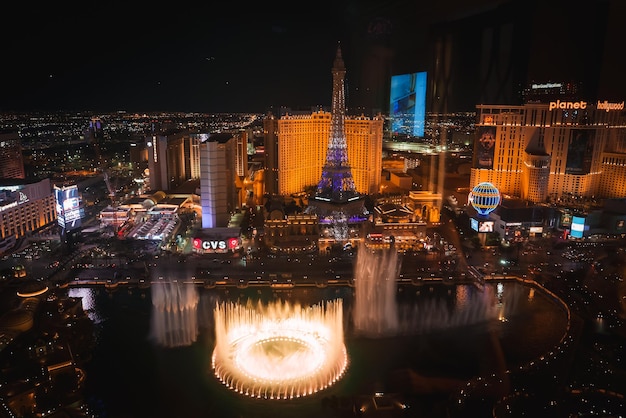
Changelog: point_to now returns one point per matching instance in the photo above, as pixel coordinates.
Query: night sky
(109, 56)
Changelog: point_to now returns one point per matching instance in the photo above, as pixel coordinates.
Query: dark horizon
(208, 60)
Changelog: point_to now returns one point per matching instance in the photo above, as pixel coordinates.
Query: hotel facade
(25, 207)
(552, 152)
(296, 147)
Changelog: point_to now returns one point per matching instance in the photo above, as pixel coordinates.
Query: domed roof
(154, 199)
(158, 196)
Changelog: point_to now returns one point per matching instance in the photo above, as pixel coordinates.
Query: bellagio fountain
(283, 350)
(279, 350)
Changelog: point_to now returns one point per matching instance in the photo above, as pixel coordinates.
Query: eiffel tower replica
(336, 201)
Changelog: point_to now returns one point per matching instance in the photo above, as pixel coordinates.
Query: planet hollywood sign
(604, 105)
(567, 105)
(215, 245)
(607, 106)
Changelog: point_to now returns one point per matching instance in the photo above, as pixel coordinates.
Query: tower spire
(336, 201)
(336, 183)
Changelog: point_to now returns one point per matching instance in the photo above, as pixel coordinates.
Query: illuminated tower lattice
(336, 201)
(337, 183)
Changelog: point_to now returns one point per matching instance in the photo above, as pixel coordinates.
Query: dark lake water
(151, 362)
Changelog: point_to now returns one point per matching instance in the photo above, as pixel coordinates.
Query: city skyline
(132, 274)
(213, 59)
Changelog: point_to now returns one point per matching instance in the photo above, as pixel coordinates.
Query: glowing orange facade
(303, 143)
(547, 151)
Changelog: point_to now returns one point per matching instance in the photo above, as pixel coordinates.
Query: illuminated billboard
(578, 227)
(566, 219)
(206, 245)
(485, 226)
(68, 208)
(480, 225)
(579, 152)
(407, 104)
(484, 146)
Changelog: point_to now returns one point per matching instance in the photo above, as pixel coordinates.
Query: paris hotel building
(296, 146)
(552, 151)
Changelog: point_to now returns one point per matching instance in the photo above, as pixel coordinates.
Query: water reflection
(179, 381)
(471, 305)
(381, 311)
(88, 300)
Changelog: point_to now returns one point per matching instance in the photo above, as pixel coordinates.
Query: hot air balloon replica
(485, 198)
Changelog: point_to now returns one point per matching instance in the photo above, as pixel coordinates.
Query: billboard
(579, 152)
(484, 146)
(407, 104)
(480, 225)
(566, 219)
(485, 226)
(578, 227)
(69, 212)
(218, 245)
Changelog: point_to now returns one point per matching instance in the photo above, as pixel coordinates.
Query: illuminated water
(279, 350)
(375, 309)
(174, 314)
(133, 374)
(379, 312)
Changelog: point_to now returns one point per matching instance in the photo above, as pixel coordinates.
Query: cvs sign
(215, 245)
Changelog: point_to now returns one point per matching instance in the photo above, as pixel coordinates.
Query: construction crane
(102, 166)
(95, 136)
(110, 188)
